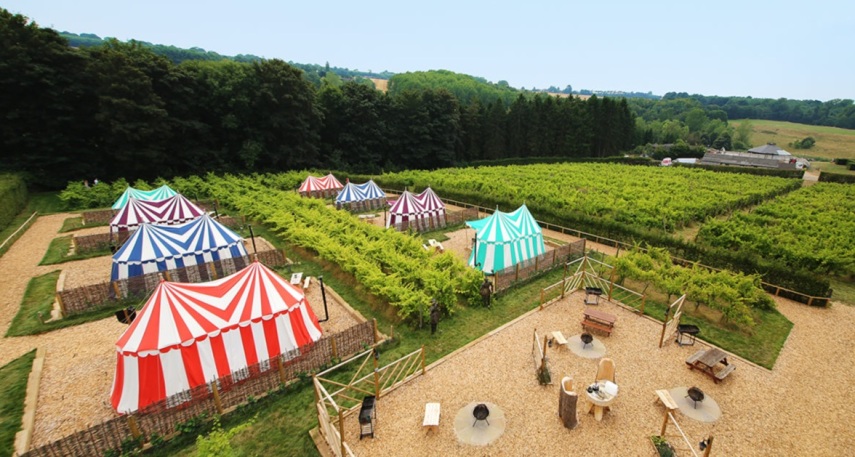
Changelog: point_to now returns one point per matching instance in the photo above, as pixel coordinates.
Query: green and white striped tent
(161, 193)
(503, 240)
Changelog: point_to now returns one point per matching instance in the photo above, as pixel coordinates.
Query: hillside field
(831, 142)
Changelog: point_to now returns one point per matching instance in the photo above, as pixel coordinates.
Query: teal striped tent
(503, 240)
(161, 193)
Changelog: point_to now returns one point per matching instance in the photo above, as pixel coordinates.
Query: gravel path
(787, 411)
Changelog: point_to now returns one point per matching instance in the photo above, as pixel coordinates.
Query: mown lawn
(58, 252)
(13, 384)
(831, 142)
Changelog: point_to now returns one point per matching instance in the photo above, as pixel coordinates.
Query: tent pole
(254, 250)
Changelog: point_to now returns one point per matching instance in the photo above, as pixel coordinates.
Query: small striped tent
(420, 212)
(155, 248)
(320, 187)
(173, 210)
(358, 197)
(503, 240)
(187, 335)
(161, 193)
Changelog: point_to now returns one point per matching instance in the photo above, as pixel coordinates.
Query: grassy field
(831, 142)
(58, 252)
(13, 384)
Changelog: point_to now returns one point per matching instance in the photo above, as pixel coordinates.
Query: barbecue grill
(481, 412)
(690, 330)
(696, 395)
(592, 295)
(586, 339)
(367, 416)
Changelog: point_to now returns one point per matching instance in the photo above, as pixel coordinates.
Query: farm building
(155, 248)
(187, 335)
(766, 156)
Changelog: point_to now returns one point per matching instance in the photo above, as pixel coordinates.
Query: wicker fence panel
(165, 417)
(546, 261)
(456, 217)
(98, 216)
(86, 298)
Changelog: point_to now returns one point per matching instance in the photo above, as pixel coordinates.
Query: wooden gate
(669, 327)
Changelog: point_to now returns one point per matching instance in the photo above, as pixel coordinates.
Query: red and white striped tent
(420, 212)
(173, 210)
(187, 335)
(320, 187)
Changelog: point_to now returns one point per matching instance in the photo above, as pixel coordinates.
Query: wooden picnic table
(707, 360)
(599, 320)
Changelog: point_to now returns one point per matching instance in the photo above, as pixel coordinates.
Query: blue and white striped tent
(161, 193)
(503, 240)
(353, 193)
(155, 248)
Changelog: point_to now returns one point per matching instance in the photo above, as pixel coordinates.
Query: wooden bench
(667, 399)
(431, 420)
(724, 372)
(694, 358)
(589, 324)
(559, 337)
(307, 282)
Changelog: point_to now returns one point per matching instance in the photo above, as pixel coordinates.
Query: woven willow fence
(546, 261)
(106, 294)
(165, 419)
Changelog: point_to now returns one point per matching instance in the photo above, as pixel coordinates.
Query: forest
(120, 110)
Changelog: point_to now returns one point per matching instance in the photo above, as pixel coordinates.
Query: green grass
(761, 345)
(57, 252)
(844, 291)
(831, 142)
(13, 384)
(37, 304)
(71, 224)
(46, 203)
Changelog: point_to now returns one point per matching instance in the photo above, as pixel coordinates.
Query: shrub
(13, 198)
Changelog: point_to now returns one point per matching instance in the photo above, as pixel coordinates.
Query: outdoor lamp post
(324, 297)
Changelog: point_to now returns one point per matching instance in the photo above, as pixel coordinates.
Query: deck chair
(605, 370)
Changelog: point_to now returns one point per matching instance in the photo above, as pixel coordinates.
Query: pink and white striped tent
(420, 212)
(173, 210)
(320, 187)
(187, 335)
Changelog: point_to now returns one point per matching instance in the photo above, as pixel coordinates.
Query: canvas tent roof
(189, 334)
(505, 239)
(313, 184)
(359, 192)
(173, 210)
(161, 193)
(155, 248)
(408, 208)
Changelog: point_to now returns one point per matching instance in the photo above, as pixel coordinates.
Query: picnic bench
(706, 360)
(436, 244)
(431, 420)
(598, 320)
(667, 399)
(559, 338)
(296, 278)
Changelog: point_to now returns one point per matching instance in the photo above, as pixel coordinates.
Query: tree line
(120, 110)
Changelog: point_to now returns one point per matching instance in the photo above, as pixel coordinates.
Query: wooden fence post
(611, 283)
(212, 271)
(281, 369)
(563, 286)
(376, 333)
(334, 349)
(135, 429)
(423, 359)
(643, 301)
(60, 302)
(541, 298)
(341, 431)
(709, 446)
(116, 289)
(664, 424)
(535, 263)
(216, 393)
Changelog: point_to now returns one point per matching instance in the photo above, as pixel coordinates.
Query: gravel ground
(786, 411)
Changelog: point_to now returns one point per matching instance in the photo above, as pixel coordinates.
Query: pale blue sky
(765, 49)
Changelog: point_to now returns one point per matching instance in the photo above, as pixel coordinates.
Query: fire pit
(696, 395)
(691, 330)
(481, 412)
(586, 339)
